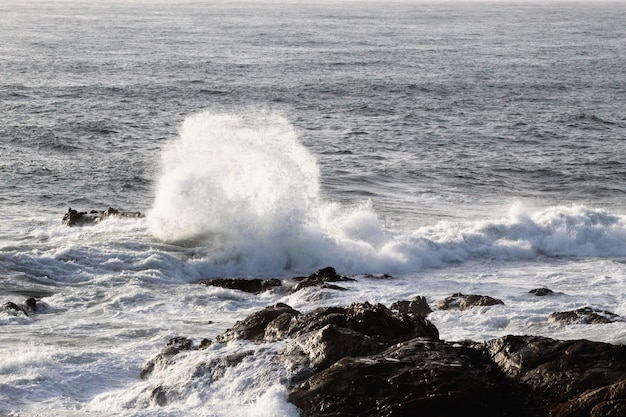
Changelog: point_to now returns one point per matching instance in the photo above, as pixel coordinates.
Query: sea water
(455, 146)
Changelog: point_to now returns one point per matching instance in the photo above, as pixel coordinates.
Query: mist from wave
(245, 187)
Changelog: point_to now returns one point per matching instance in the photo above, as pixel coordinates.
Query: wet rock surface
(566, 378)
(584, 315)
(166, 357)
(464, 301)
(249, 285)
(541, 292)
(83, 218)
(321, 279)
(30, 306)
(371, 360)
(418, 306)
(417, 377)
(254, 326)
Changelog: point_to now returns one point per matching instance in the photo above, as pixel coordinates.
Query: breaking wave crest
(247, 189)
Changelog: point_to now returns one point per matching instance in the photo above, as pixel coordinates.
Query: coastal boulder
(253, 327)
(418, 306)
(373, 320)
(459, 301)
(321, 278)
(584, 315)
(418, 377)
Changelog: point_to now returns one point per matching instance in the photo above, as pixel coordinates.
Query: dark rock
(541, 292)
(568, 378)
(463, 302)
(271, 283)
(253, 327)
(82, 218)
(418, 306)
(325, 335)
(157, 396)
(419, 377)
(376, 321)
(333, 287)
(11, 306)
(523, 376)
(378, 276)
(321, 279)
(205, 343)
(31, 304)
(216, 368)
(165, 358)
(254, 286)
(585, 315)
(609, 400)
(327, 345)
(369, 360)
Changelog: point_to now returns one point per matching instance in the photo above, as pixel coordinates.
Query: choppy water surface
(465, 147)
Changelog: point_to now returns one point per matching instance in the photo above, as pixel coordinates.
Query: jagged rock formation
(369, 360)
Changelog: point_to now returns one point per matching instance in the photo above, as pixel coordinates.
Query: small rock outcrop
(584, 315)
(541, 292)
(166, 357)
(82, 218)
(31, 305)
(253, 285)
(10, 306)
(253, 327)
(418, 306)
(321, 279)
(461, 301)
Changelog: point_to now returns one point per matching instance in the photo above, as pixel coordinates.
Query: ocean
(475, 147)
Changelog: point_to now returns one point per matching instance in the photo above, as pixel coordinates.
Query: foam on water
(246, 188)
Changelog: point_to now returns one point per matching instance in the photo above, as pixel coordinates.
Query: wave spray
(246, 187)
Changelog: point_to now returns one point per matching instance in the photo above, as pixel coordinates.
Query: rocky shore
(372, 360)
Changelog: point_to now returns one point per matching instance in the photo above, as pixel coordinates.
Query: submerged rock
(10, 306)
(463, 302)
(584, 315)
(166, 357)
(82, 218)
(31, 305)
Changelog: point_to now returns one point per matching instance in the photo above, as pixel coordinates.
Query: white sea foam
(245, 187)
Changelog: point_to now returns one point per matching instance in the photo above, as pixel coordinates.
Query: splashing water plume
(244, 184)
(244, 187)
